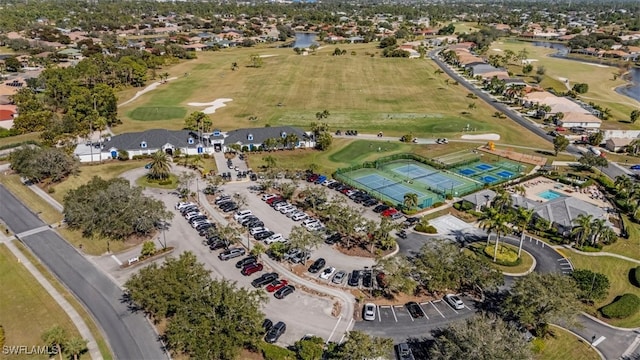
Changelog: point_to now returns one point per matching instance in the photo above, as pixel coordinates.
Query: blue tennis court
(441, 181)
(483, 167)
(467, 171)
(505, 174)
(390, 187)
(488, 179)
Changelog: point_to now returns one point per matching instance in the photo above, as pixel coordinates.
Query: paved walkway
(77, 320)
(600, 253)
(46, 197)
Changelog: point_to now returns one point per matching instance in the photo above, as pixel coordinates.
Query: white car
(369, 312)
(182, 205)
(288, 209)
(326, 273)
(274, 238)
(258, 229)
(454, 301)
(266, 197)
(315, 226)
(241, 214)
(280, 206)
(293, 213)
(328, 182)
(299, 216)
(309, 221)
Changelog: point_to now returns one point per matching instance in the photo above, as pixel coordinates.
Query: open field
(364, 93)
(617, 270)
(564, 345)
(628, 247)
(26, 309)
(97, 333)
(600, 80)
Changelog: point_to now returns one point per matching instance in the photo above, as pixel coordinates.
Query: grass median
(564, 345)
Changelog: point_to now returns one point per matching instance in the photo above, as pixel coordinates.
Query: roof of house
(579, 117)
(480, 197)
(562, 210)
(240, 136)
(619, 141)
(155, 139)
(6, 115)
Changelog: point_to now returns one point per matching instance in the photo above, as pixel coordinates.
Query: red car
(277, 285)
(313, 178)
(272, 200)
(251, 268)
(389, 212)
(345, 190)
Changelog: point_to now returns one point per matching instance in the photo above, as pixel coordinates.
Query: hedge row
(623, 307)
(274, 352)
(636, 276)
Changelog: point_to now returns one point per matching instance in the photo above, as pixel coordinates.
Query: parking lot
(396, 322)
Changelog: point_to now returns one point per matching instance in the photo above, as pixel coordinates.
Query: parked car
(246, 261)
(276, 285)
(410, 221)
(257, 229)
(454, 301)
(300, 257)
(367, 279)
(284, 292)
(231, 253)
(274, 238)
(389, 212)
(242, 213)
(326, 273)
(288, 209)
(299, 216)
(262, 235)
(338, 278)
(274, 200)
(182, 205)
(275, 332)
(267, 197)
(267, 324)
(354, 278)
(317, 265)
(264, 279)
(251, 269)
(404, 352)
(369, 312)
(219, 244)
(396, 216)
(370, 202)
(414, 309)
(380, 208)
(333, 238)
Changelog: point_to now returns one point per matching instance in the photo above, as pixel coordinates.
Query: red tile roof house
(7, 114)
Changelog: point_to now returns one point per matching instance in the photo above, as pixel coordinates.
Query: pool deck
(540, 184)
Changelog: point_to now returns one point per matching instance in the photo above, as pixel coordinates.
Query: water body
(631, 90)
(304, 40)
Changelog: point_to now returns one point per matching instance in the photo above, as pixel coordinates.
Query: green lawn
(26, 309)
(365, 93)
(108, 170)
(617, 270)
(12, 141)
(600, 80)
(628, 247)
(525, 265)
(564, 345)
(144, 181)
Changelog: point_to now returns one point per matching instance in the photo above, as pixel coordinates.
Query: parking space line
(394, 313)
(451, 307)
(434, 306)
(334, 328)
(422, 309)
(116, 260)
(379, 317)
(468, 308)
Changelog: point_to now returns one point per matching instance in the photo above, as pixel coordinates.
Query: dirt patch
(359, 250)
(337, 309)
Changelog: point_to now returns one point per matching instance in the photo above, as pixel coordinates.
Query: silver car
(339, 277)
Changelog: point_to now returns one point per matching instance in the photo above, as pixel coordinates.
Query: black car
(204, 226)
(226, 204)
(234, 207)
(267, 325)
(380, 208)
(317, 265)
(247, 219)
(275, 332)
(370, 202)
(263, 235)
(189, 209)
(334, 185)
(367, 279)
(264, 279)
(334, 238)
(414, 309)
(284, 291)
(410, 221)
(223, 199)
(219, 244)
(246, 261)
(354, 278)
(254, 224)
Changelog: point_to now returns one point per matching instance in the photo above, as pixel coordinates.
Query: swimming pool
(550, 195)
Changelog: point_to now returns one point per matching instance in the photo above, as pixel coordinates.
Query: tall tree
(55, 337)
(479, 337)
(560, 143)
(75, 347)
(160, 167)
(198, 121)
(410, 200)
(302, 239)
(397, 278)
(524, 220)
(360, 345)
(592, 286)
(582, 231)
(540, 299)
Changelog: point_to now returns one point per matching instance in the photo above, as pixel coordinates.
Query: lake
(304, 40)
(631, 90)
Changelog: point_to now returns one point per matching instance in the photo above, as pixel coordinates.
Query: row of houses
(573, 114)
(192, 142)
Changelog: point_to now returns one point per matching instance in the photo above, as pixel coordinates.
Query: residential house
(480, 199)
(618, 144)
(581, 119)
(255, 137)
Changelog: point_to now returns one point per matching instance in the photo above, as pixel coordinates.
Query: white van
(242, 213)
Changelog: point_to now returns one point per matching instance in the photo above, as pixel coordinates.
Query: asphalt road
(612, 170)
(129, 334)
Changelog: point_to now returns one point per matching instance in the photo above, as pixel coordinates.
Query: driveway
(129, 334)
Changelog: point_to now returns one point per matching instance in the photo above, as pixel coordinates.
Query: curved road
(612, 170)
(129, 334)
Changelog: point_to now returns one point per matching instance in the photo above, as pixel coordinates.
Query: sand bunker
(211, 106)
(146, 90)
(529, 61)
(268, 55)
(592, 64)
(498, 50)
(481, 137)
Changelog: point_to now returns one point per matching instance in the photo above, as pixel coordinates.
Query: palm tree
(608, 236)
(501, 227)
(410, 200)
(623, 185)
(582, 230)
(270, 161)
(75, 346)
(598, 226)
(197, 162)
(520, 189)
(160, 167)
(524, 219)
(488, 221)
(56, 336)
(502, 201)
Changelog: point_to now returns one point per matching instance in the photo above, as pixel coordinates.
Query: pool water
(550, 195)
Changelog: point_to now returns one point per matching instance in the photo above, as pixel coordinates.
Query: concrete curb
(600, 253)
(533, 266)
(585, 340)
(609, 325)
(393, 253)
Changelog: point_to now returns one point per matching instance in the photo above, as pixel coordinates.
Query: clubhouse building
(193, 143)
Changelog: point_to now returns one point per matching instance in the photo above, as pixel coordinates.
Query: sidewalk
(77, 320)
(601, 253)
(46, 197)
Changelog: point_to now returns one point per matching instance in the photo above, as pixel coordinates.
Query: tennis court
(489, 173)
(433, 179)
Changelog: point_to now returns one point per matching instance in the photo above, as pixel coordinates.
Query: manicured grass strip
(45, 211)
(153, 113)
(628, 247)
(26, 309)
(618, 272)
(8, 142)
(564, 345)
(525, 265)
(88, 320)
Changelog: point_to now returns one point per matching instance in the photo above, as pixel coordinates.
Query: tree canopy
(360, 345)
(206, 319)
(112, 208)
(40, 164)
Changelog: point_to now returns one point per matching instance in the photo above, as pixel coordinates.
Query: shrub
(622, 307)
(438, 204)
(427, 229)
(506, 256)
(273, 352)
(165, 182)
(409, 211)
(636, 276)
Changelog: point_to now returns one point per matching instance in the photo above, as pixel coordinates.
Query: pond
(304, 40)
(632, 89)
